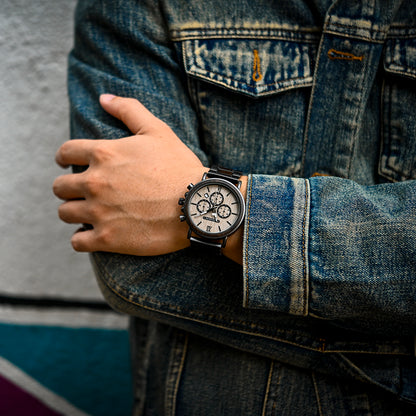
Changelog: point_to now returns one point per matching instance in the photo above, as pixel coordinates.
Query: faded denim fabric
(316, 102)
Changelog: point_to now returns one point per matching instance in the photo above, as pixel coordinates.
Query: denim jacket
(316, 102)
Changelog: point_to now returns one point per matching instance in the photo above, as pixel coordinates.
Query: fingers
(88, 238)
(75, 212)
(69, 186)
(83, 241)
(131, 112)
(76, 152)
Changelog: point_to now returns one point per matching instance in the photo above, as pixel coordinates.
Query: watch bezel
(234, 189)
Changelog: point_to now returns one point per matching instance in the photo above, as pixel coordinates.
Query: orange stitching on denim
(346, 56)
(320, 174)
(257, 75)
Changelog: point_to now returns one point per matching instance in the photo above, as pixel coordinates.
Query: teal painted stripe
(90, 368)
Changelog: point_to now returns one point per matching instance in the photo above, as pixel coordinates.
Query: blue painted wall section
(88, 367)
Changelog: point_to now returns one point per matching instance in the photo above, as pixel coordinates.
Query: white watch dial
(214, 208)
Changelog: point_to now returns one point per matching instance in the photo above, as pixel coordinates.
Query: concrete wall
(62, 351)
(35, 254)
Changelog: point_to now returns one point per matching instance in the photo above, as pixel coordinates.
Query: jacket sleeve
(341, 251)
(123, 48)
(322, 248)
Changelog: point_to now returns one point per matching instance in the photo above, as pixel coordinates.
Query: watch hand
(202, 213)
(214, 211)
(208, 210)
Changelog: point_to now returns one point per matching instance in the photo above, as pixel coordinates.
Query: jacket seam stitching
(184, 348)
(247, 230)
(189, 71)
(268, 388)
(316, 389)
(307, 83)
(305, 35)
(251, 333)
(305, 231)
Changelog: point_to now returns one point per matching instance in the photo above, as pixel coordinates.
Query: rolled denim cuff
(275, 259)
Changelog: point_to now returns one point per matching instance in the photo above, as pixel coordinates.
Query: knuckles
(94, 184)
(105, 239)
(103, 151)
(94, 212)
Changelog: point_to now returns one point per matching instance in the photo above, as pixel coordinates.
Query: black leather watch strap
(204, 245)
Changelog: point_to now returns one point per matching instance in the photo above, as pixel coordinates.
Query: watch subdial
(224, 211)
(203, 206)
(216, 198)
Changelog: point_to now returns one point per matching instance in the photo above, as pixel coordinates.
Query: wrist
(234, 248)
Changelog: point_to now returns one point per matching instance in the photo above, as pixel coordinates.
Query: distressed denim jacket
(316, 102)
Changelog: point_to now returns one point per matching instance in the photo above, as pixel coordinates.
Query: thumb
(131, 112)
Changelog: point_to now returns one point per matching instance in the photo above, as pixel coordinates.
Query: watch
(213, 208)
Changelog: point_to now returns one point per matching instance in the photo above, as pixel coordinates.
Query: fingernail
(106, 98)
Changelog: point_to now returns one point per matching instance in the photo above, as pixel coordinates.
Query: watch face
(214, 208)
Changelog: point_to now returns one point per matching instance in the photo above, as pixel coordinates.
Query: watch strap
(230, 175)
(203, 245)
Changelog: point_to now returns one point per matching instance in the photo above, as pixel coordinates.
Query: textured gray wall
(35, 254)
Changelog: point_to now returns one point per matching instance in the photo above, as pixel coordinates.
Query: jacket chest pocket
(254, 67)
(251, 97)
(398, 151)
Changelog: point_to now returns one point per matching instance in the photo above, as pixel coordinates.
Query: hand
(130, 189)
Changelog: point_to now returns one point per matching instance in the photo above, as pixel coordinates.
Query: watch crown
(181, 201)
(190, 186)
(182, 218)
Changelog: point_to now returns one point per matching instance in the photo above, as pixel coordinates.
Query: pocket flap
(255, 67)
(400, 56)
